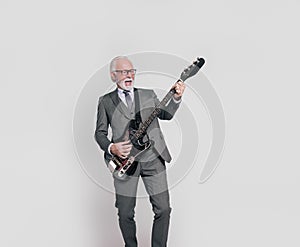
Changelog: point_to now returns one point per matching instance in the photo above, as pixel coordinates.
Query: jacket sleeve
(102, 126)
(168, 111)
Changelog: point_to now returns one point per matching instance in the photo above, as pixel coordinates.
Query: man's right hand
(121, 149)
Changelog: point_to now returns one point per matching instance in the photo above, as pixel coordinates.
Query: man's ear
(113, 76)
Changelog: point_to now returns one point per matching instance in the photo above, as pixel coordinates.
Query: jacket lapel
(119, 105)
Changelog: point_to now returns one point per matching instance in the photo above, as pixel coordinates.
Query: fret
(144, 126)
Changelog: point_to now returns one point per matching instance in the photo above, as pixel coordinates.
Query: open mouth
(128, 82)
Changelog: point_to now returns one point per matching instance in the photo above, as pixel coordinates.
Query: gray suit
(114, 113)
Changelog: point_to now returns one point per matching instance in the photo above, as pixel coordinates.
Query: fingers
(179, 87)
(126, 146)
(125, 142)
(123, 149)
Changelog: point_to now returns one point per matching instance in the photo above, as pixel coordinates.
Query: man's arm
(121, 149)
(102, 127)
(169, 110)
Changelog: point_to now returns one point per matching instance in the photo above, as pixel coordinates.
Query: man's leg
(155, 180)
(162, 210)
(125, 203)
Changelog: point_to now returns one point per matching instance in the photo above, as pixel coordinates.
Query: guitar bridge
(124, 168)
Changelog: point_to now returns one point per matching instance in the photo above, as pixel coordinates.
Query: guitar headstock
(192, 69)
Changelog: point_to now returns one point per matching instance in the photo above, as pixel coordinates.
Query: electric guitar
(136, 131)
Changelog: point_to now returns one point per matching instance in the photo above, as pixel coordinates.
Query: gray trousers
(154, 177)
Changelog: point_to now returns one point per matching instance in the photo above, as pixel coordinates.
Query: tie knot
(126, 92)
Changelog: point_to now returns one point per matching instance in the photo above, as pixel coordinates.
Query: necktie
(128, 99)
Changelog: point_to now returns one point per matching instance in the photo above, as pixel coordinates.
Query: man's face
(123, 79)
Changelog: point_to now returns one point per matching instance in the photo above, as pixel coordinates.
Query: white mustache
(125, 80)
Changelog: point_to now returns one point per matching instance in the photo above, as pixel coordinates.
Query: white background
(49, 49)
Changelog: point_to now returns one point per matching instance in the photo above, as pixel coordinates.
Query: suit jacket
(114, 113)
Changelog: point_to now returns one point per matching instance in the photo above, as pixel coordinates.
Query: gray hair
(114, 61)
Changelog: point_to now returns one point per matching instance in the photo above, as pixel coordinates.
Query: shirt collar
(120, 91)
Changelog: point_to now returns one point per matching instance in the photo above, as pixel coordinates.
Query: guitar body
(122, 168)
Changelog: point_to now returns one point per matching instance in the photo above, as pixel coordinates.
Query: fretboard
(144, 126)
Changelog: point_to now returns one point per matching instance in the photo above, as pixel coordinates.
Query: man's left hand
(179, 87)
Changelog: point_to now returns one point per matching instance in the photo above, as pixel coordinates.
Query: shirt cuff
(108, 149)
(176, 101)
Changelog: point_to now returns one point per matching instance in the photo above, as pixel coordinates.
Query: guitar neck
(187, 73)
(144, 126)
